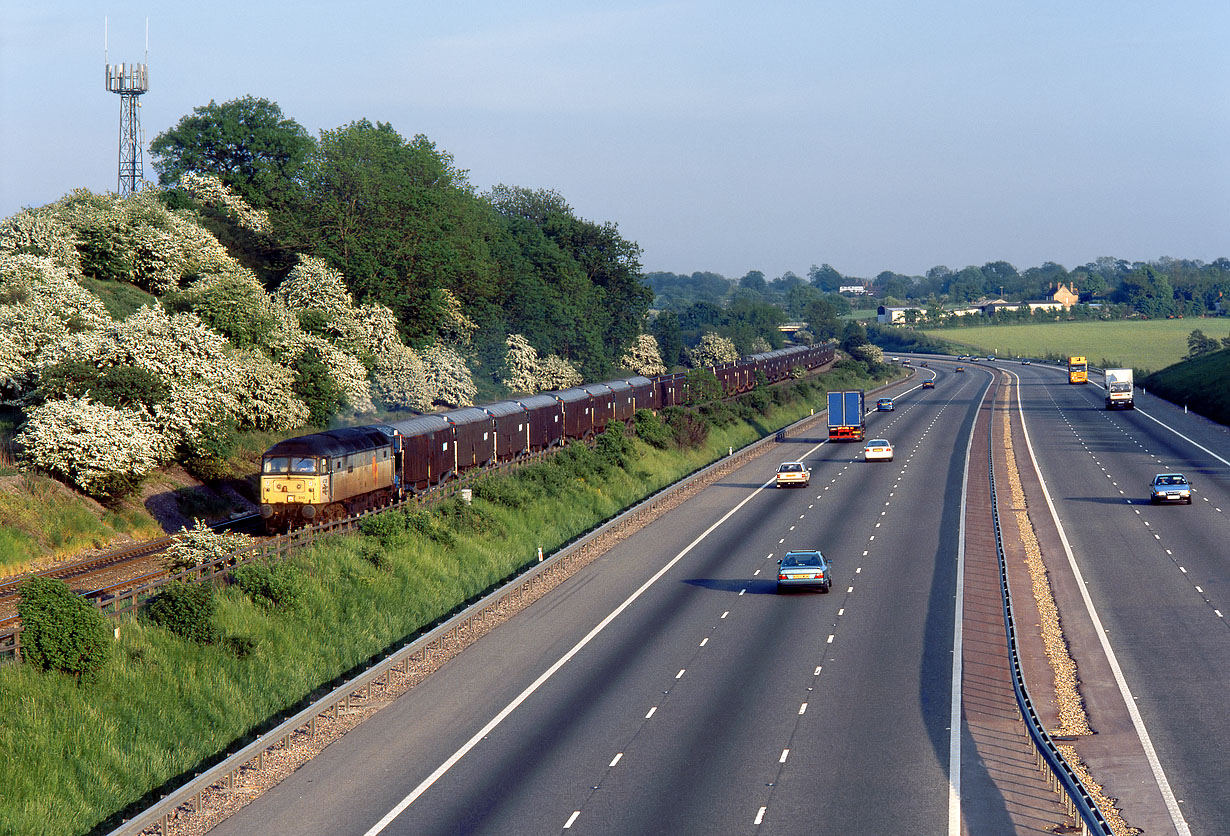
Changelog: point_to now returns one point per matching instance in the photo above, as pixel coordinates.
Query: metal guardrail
(223, 773)
(1064, 780)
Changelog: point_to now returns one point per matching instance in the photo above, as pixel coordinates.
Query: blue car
(884, 405)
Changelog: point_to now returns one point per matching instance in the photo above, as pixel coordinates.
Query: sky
(726, 137)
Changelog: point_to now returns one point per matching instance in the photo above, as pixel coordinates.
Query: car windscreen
(801, 560)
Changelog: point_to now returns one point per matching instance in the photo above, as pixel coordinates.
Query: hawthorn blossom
(712, 351)
(643, 357)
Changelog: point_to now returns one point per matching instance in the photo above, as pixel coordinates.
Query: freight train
(331, 475)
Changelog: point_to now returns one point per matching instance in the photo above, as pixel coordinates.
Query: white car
(878, 449)
(793, 473)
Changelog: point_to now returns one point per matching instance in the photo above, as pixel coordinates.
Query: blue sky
(877, 135)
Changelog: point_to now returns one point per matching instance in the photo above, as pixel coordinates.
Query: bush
(688, 429)
(316, 387)
(187, 610)
(273, 586)
(613, 447)
(650, 429)
(209, 459)
(510, 491)
(60, 630)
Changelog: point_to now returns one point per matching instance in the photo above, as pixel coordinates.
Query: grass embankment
(1202, 384)
(1144, 345)
(71, 756)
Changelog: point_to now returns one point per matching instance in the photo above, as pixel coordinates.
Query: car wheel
(825, 589)
(1153, 500)
(1189, 500)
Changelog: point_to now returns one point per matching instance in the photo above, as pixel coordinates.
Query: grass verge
(73, 756)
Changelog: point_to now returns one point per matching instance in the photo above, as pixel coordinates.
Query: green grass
(1202, 383)
(1145, 345)
(72, 756)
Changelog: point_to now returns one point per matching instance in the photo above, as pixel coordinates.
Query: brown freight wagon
(512, 429)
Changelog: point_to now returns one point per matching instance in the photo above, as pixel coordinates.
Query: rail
(189, 795)
(1064, 780)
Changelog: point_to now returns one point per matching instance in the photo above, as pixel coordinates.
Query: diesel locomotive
(330, 475)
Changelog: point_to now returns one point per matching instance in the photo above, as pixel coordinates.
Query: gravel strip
(221, 801)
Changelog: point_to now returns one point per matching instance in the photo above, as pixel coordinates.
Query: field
(1144, 345)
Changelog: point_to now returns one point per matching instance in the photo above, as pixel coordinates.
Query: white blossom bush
(211, 191)
(454, 326)
(379, 326)
(557, 373)
(102, 450)
(804, 337)
(265, 394)
(449, 379)
(711, 351)
(40, 305)
(42, 231)
(347, 371)
(314, 286)
(868, 353)
(643, 357)
(520, 369)
(760, 345)
(200, 544)
(399, 380)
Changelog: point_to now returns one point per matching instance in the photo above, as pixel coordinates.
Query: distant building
(897, 316)
(791, 327)
(1066, 295)
(853, 288)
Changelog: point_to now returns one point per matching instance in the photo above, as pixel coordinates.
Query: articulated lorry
(847, 418)
(1119, 389)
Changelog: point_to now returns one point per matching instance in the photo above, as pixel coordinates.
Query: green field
(1144, 345)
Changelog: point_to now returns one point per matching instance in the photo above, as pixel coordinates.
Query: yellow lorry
(1078, 370)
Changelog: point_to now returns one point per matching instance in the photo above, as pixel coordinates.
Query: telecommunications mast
(129, 81)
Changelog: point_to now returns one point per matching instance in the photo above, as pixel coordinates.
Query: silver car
(1170, 487)
(804, 570)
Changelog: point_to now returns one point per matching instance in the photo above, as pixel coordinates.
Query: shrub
(703, 386)
(316, 388)
(209, 460)
(614, 448)
(200, 544)
(688, 429)
(187, 610)
(511, 491)
(651, 430)
(274, 586)
(60, 630)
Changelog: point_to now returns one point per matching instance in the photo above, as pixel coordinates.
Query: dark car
(930, 384)
(884, 405)
(961, 368)
(924, 364)
(1170, 487)
(804, 570)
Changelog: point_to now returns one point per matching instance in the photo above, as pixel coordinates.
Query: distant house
(856, 289)
(1066, 295)
(791, 327)
(886, 315)
(999, 305)
(1046, 305)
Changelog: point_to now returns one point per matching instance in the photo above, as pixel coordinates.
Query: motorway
(1158, 577)
(666, 689)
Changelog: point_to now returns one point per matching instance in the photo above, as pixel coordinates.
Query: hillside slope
(1201, 383)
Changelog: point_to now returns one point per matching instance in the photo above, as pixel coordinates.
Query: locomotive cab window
(303, 464)
(277, 464)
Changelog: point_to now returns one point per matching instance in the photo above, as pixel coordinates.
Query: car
(878, 449)
(1170, 487)
(924, 364)
(804, 569)
(989, 357)
(884, 405)
(960, 368)
(793, 473)
(896, 359)
(928, 384)
(905, 362)
(1024, 362)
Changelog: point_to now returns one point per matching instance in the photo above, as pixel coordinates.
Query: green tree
(60, 630)
(665, 329)
(826, 278)
(246, 142)
(1198, 343)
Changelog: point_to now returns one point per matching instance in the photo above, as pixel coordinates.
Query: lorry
(1119, 389)
(847, 418)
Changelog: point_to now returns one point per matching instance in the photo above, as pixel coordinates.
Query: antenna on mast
(129, 81)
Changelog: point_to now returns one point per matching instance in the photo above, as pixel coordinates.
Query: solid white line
(958, 617)
(443, 768)
(1172, 805)
(1182, 436)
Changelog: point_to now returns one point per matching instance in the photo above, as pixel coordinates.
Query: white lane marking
(849, 589)
(759, 816)
(1182, 436)
(571, 819)
(958, 617)
(618, 755)
(495, 721)
(741, 591)
(704, 641)
(725, 613)
(1172, 805)
(841, 611)
(858, 570)
(757, 572)
(830, 641)
(785, 754)
(680, 674)
(817, 671)
(803, 708)
(651, 711)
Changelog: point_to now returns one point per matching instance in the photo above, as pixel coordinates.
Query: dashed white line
(759, 816)
(651, 711)
(803, 708)
(704, 641)
(618, 755)
(571, 819)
